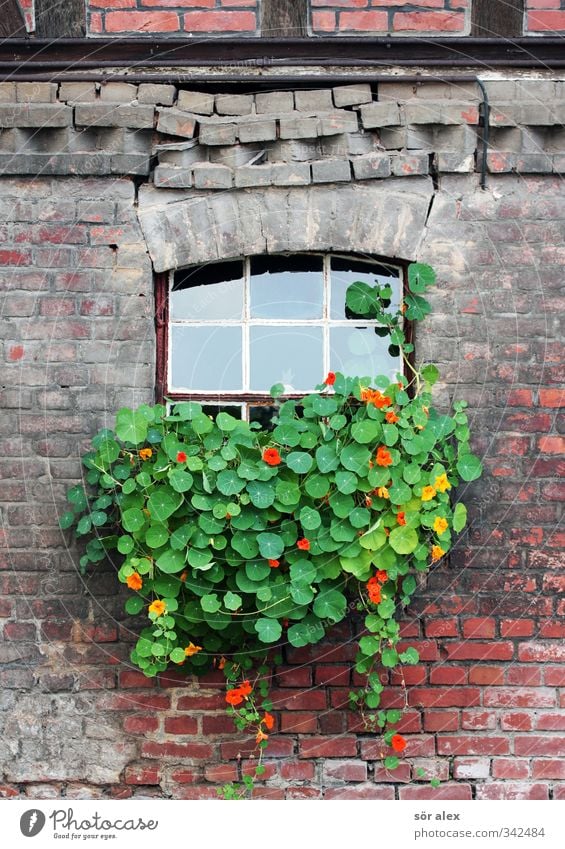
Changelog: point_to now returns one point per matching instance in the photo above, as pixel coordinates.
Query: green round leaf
(389, 657)
(228, 482)
(125, 544)
(330, 604)
(210, 603)
(420, 276)
(156, 536)
(66, 520)
(226, 422)
(131, 426)
(299, 462)
(163, 502)
(356, 459)
(177, 655)
(403, 539)
(310, 518)
(271, 546)
(232, 601)
(269, 630)
(133, 519)
(459, 517)
(366, 431)
(317, 486)
(180, 480)
(469, 467)
(171, 561)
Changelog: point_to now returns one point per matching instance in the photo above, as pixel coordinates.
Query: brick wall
(377, 17)
(185, 17)
(487, 701)
(544, 17)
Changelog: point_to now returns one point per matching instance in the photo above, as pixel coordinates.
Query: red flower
(400, 518)
(268, 721)
(271, 456)
(330, 379)
(391, 417)
(234, 697)
(381, 576)
(245, 688)
(374, 590)
(398, 743)
(303, 544)
(181, 457)
(383, 456)
(274, 564)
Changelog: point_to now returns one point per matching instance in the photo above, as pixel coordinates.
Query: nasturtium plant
(235, 540)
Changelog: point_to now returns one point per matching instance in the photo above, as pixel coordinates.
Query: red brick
(119, 4)
(186, 776)
(11, 257)
(141, 22)
(323, 653)
(508, 790)
(478, 627)
(176, 750)
(490, 675)
(297, 770)
(442, 628)
(294, 676)
(546, 21)
(428, 22)
(519, 697)
(421, 746)
(20, 631)
(142, 774)
(323, 747)
(249, 767)
(552, 397)
(441, 720)
(510, 768)
(520, 398)
(181, 725)
(436, 697)
(444, 791)
(408, 675)
(541, 652)
(478, 720)
(299, 699)
(131, 678)
(554, 676)
(472, 745)
(349, 4)
(527, 676)
(219, 724)
(448, 675)
(345, 770)
(279, 747)
(363, 22)
(303, 793)
(220, 21)
(551, 444)
(400, 775)
(299, 722)
(195, 791)
(140, 724)
(333, 676)
(133, 701)
(323, 21)
(201, 702)
(516, 721)
(516, 628)
(480, 651)
(551, 745)
(367, 791)
(550, 722)
(554, 769)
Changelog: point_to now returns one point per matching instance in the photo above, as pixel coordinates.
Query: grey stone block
(424, 112)
(274, 101)
(174, 122)
(293, 150)
(534, 163)
(130, 163)
(338, 122)
(463, 112)
(257, 131)
(420, 137)
(537, 114)
(352, 95)
(461, 139)
(74, 92)
(36, 92)
(158, 95)
(396, 92)
(234, 104)
(118, 92)
(501, 163)
(172, 178)
(253, 175)
(410, 164)
(109, 115)
(331, 171)
(314, 101)
(334, 146)
(196, 101)
(455, 163)
(393, 138)
(217, 134)
(212, 176)
(35, 115)
(295, 174)
(7, 92)
(358, 143)
(182, 158)
(372, 166)
(559, 163)
(235, 155)
(380, 115)
(298, 127)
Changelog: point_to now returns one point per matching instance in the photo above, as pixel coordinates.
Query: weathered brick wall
(378, 17)
(544, 17)
(185, 17)
(486, 703)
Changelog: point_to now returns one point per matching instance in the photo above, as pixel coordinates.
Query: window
(228, 331)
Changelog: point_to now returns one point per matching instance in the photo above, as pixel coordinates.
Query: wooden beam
(497, 18)
(284, 18)
(62, 19)
(11, 20)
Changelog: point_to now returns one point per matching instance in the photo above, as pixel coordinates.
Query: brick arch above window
(386, 219)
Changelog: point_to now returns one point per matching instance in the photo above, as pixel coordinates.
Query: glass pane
(345, 271)
(264, 415)
(286, 287)
(206, 358)
(289, 355)
(234, 410)
(208, 292)
(359, 352)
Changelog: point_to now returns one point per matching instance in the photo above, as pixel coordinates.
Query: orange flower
(181, 457)
(374, 590)
(381, 400)
(398, 742)
(330, 379)
(440, 525)
(146, 453)
(261, 736)
(401, 518)
(381, 576)
(303, 544)
(234, 697)
(428, 493)
(383, 456)
(157, 607)
(403, 308)
(274, 564)
(382, 492)
(368, 501)
(245, 688)
(134, 581)
(391, 417)
(437, 552)
(268, 721)
(183, 576)
(191, 649)
(271, 456)
(221, 662)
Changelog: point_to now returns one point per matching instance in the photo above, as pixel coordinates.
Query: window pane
(206, 358)
(345, 271)
(209, 292)
(359, 352)
(289, 355)
(234, 410)
(286, 287)
(263, 414)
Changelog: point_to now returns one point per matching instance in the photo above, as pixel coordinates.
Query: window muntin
(235, 328)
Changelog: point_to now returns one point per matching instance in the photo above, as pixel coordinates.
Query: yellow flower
(382, 492)
(428, 493)
(146, 453)
(157, 607)
(437, 552)
(191, 649)
(440, 525)
(441, 483)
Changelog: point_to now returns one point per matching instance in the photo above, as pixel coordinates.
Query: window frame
(163, 287)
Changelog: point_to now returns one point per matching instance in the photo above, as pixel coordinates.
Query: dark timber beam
(497, 18)
(284, 18)
(60, 18)
(11, 20)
